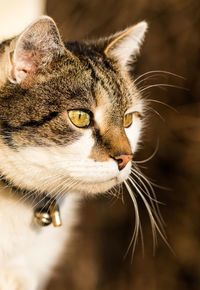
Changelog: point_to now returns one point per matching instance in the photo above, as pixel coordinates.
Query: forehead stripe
(105, 77)
(32, 123)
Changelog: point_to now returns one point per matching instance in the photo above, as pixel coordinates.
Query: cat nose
(122, 160)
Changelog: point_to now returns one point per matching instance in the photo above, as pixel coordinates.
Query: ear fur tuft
(126, 44)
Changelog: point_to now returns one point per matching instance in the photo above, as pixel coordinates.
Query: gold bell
(50, 213)
(55, 214)
(42, 218)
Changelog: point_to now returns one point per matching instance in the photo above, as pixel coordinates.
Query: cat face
(70, 114)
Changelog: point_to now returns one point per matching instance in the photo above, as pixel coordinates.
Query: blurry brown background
(95, 257)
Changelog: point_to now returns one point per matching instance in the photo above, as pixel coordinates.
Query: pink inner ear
(27, 61)
(24, 64)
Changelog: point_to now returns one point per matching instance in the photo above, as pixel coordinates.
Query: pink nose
(122, 160)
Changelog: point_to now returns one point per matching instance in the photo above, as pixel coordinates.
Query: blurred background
(95, 257)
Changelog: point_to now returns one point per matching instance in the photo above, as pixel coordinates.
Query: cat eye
(128, 118)
(79, 118)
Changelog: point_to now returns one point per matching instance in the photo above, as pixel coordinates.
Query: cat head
(70, 114)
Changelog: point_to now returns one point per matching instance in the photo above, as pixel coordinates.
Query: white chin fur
(105, 183)
(60, 169)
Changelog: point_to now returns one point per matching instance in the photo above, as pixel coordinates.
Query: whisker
(139, 174)
(154, 202)
(151, 156)
(156, 112)
(161, 72)
(137, 226)
(149, 210)
(162, 85)
(144, 189)
(147, 78)
(153, 219)
(162, 103)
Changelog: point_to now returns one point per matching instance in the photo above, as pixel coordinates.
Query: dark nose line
(122, 160)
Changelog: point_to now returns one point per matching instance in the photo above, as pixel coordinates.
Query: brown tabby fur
(42, 104)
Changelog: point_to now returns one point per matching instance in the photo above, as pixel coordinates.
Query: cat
(71, 120)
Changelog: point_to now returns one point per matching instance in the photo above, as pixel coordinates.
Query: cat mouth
(109, 180)
(105, 181)
(91, 182)
(94, 187)
(114, 175)
(100, 186)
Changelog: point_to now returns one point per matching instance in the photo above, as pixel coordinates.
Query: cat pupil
(79, 118)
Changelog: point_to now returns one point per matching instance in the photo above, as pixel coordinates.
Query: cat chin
(96, 188)
(104, 186)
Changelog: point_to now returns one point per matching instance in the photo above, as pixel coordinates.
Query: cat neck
(45, 207)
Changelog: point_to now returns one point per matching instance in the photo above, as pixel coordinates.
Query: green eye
(128, 119)
(79, 118)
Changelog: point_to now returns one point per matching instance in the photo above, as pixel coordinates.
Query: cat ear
(34, 48)
(125, 45)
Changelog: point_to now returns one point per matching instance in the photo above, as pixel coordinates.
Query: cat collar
(46, 208)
